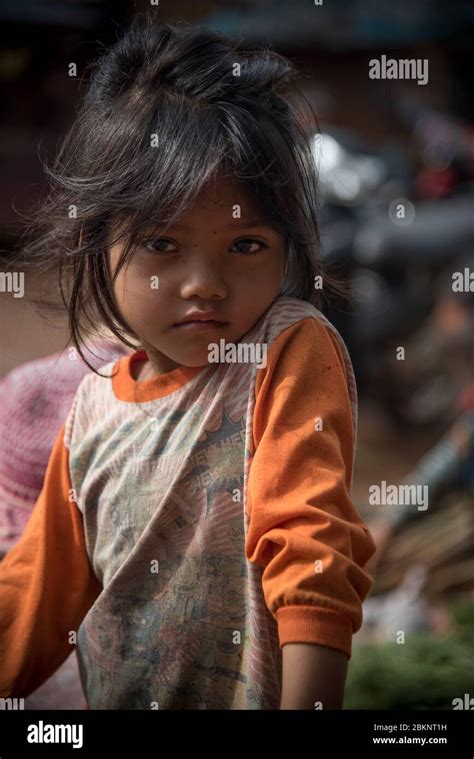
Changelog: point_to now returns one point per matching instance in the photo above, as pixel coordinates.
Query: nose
(204, 280)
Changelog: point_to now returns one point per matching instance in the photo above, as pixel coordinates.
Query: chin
(197, 362)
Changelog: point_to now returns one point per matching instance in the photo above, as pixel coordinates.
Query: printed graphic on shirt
(181, 622)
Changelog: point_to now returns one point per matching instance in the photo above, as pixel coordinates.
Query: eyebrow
(251, 223)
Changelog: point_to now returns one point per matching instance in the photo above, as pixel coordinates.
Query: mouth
(201, 324)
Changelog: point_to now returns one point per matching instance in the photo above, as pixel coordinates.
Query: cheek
(133, 284)
(141, 298)
(267, 277)
(148, 280)
(280, 262)
(259, 270)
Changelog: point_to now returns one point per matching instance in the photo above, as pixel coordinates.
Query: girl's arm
(313, 677)
(303, 527)
(46, 585)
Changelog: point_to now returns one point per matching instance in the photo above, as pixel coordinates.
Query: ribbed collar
(126, 388)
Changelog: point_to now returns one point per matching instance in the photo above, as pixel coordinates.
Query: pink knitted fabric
(35, 398)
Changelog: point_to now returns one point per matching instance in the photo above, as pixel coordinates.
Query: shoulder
(298, 335)
(92, 401)
(307, 359)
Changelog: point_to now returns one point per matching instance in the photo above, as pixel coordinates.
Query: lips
(197, 316)
(201, 324)
(193, 317)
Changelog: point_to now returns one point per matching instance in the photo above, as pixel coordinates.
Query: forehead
(218, 200)
(215, 205)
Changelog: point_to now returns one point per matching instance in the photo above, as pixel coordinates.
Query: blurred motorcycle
(400, 267)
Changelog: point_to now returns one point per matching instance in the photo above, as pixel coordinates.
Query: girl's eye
(151, 245)
(251, 240)
(156, 245)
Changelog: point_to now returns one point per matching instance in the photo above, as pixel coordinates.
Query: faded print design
(181, 622)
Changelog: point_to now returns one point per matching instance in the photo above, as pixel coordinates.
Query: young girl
(194, 538)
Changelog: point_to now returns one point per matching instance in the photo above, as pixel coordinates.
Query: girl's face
(209, 261)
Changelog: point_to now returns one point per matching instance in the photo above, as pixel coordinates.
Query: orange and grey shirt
(191, 524)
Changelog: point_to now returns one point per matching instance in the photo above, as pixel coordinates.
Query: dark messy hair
(215, 108)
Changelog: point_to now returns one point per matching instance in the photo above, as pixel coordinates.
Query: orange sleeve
(303, 527)
(46, 584)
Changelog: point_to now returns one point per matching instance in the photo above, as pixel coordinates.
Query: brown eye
(151, 245)
(250, 241)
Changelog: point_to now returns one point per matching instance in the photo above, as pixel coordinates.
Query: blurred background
(396, 162)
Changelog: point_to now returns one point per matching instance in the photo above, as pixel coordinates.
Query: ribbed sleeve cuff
(314, 624)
